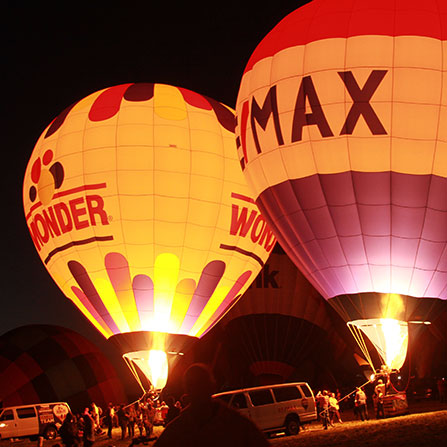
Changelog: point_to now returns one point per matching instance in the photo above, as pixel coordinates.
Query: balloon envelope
(342, 137)
(42, 363)
(282, 324)
(136, 204)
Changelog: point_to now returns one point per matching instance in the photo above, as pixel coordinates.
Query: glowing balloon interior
(342, 138)
(152, 363)
(137, 206)
(389, 336)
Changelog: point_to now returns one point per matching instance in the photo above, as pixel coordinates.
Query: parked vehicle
(274, 408)
(33, 420)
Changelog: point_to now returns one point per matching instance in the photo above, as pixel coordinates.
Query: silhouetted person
(69, 431)
(123, 420)
(360, 404)
(442, 389)
(379, 392)
(108, 419)
(132, 420)
(173, 410)
(88, 429)
(323, 405)
(208, 422)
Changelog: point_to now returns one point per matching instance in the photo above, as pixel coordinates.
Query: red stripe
(79, 188)
(195, 99)
(34, 207)
(108, 103)
(241, 197)
(66, 193)
(244, 119)
(324, 19)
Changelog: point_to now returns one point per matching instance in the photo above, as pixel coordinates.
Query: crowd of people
(81, 429)
(204, 421)
(198, 417)
(328, 407)
(134, 420)
(328, 404)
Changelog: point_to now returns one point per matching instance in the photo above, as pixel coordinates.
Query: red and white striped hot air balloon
(342, 113)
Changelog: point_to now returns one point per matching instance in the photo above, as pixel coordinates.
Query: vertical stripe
(211, 275)
(182, 299)
(106, 292)
(119, 275)
(143, 290)
(226, 303)
(92, 314)
(166, 271)
(83, 279)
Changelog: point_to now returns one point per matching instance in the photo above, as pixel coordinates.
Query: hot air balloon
(342, 137)
(283, 330)
(136, 204)
(44, 363)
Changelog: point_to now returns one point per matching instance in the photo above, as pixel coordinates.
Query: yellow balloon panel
(137, 205)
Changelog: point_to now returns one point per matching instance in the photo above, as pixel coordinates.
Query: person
(385, 376)
(360, 404)
(158, 414)
(123, 420)
(69, 431)
(379, 393)
(164, 408)
(173, 410)
(323, 406)
(317, 403)
(88, 429)
(132, 419)
(95, 413)
(139, 420)
(442, 389)
(334, 409)
(208, 422)
(148, 416)
(108, 419)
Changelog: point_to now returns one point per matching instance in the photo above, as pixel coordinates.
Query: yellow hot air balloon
(137, 205)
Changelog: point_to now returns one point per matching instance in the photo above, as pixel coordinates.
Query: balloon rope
(358, 336)
(134, 372)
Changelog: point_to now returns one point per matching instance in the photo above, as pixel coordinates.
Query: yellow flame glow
(152, 363)
(158, 368)
(395, 335)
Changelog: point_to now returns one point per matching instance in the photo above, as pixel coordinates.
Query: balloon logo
(135, 201)
(342, 138)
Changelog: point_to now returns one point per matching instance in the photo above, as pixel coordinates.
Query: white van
(33, 420)
(274, 408)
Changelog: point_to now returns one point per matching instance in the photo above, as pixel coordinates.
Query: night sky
(54, 56)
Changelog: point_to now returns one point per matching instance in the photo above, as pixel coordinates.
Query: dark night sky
(54, 57)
